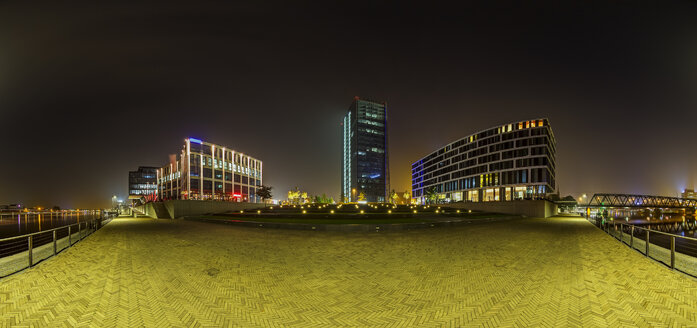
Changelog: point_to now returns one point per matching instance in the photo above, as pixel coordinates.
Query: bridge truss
(623, 200)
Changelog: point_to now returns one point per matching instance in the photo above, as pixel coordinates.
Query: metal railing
(24, 251)
(675, 251)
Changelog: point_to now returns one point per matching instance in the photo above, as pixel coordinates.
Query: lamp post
(353, 194)
(580, 201)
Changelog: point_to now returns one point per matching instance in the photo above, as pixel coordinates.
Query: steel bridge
(640, 201)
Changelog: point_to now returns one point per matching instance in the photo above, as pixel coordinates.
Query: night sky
(90, 91)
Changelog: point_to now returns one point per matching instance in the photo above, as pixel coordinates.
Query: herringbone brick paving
(560, 272)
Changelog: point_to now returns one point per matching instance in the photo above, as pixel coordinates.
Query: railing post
(79, 231)
(622, 233)
(631, 238)
(672, 252)
(54, 242)
(647, 243)
(70, 237)
(31, 260)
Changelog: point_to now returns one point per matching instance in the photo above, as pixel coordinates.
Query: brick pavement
(532, 272)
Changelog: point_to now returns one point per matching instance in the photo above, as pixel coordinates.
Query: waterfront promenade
(529, 272)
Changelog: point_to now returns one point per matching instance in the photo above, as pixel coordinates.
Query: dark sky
(89, 90)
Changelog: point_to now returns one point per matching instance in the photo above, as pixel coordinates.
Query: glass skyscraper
(365, 169)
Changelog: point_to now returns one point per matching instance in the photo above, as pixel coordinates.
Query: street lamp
(353, 193)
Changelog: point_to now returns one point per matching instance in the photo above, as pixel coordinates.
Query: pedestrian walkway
(173, 273)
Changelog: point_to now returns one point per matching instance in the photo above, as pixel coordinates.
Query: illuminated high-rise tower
(365, 168)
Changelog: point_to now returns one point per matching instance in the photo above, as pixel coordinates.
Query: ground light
(361, 211)
(389, 211)
(258, 212)
(332, 211)
(414, 211)
(304, 211)
(458, 211)
(241, 211)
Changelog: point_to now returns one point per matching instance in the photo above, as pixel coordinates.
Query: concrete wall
(174, 209)
(529, 208)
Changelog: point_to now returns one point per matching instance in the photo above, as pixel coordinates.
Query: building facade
(507, 162)
(689, 193)
(205, 171)
(142, 184)
(365, 165)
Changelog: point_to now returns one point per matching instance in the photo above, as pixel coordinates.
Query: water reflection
(24, 223)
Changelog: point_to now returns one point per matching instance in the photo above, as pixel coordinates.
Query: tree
(264, 192)
(331, 200)
(407, 196)
(325, 200)
(317, 199)
(294, 195)
(431, 195)
(361, 196)
(393, 197)
(303, 197)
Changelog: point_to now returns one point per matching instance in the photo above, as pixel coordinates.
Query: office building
(142, 184)
(507, 162)
(365, 168)
(206, 171)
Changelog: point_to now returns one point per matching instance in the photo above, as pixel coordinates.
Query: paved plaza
(559, 272)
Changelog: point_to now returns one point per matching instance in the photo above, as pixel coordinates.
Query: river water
(24, 223)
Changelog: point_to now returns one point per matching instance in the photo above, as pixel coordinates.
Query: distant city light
(198, 141)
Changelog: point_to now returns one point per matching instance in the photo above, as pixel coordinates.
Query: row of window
(501, 133)
(468, 165)
(143, 186)
(238, 158)
(538, 175)
(141, 192)
(207, 185)
(196, 161)
(453, 156)
(228, 177)
(210, 195)
(481, 169)
(370, 122)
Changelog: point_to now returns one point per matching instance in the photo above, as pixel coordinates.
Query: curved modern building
(506, 162)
